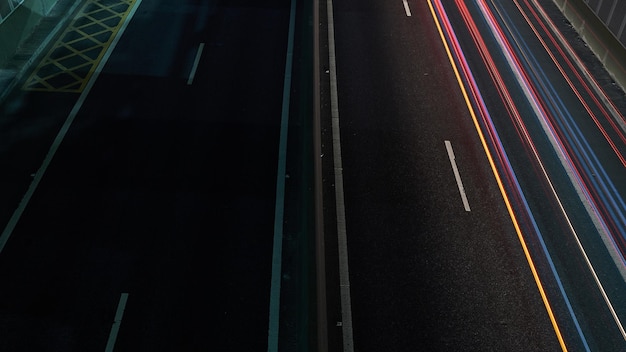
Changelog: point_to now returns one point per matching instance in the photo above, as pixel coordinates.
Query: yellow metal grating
(72, 60)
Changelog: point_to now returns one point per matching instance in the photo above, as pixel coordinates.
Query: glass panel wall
(8, 6)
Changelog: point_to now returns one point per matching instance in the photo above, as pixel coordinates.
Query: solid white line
(406, 8)
(17, 214)
(192, 74)
(115, 328)
(457, 176)
(342, 239)
(279, 209)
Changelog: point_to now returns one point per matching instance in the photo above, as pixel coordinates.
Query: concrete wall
(613, 14)
(20, 24)
(601, 24)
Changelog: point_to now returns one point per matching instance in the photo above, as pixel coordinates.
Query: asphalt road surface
(425, 273)
(150, 226)
(464, 229)
(172, 181)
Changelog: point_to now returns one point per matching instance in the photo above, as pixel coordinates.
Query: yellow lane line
(496, 174)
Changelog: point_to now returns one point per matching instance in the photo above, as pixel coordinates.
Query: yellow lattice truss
(72, 60)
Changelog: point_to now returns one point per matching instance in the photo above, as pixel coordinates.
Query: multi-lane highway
(483, 175)
(228, 175)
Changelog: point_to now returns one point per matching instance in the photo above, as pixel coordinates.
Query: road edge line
(342, 238)
(279, 209)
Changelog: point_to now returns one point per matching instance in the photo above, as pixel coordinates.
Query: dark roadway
(425, 274)
(160, 190)
(161, 200)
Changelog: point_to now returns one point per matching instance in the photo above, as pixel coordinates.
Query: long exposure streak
(606, 206)
(499, 181)
(503, 40)
(613, 117)
(523, 132)
(560, 122)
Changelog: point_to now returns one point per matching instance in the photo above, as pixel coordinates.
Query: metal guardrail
(7, 7)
